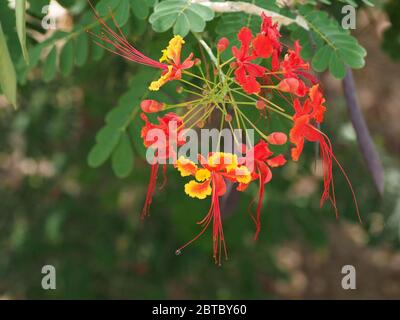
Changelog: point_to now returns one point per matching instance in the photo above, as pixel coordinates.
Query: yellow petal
(173, 52)
(156, 85)
(227, 161)
(243, 174)
(185, 166)
(202, 175)
(198, 190)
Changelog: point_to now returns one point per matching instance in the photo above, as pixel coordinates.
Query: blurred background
(55, 209)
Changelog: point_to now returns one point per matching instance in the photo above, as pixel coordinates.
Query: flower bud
(151, 106)
(277, 138)
(260, 104)
(201, 124)
(233, 65)
(222, 44)
(289, 85)
(228, 117)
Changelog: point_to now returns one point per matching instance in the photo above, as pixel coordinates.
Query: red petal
(262, 46)
(277, 161)
(219, 184)
(245, 36)
(254, 69)
(264, 172)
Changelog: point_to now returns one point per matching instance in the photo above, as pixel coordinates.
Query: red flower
(262, 46)
(303, 129)
(260, 159)
(247, 72)
(293, 65)
(163, 146)
(271, 31)
(312, 110)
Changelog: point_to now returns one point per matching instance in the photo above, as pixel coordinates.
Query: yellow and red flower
(210, 181)
(172, 70)
(288, 77)
(172, 55)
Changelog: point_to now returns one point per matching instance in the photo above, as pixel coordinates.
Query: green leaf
(205, 12)
(182, 15)
(82, 49)
(162, 25)
(321, 59)
(140, 9)
(49, 68)
(182, 25)
(334, 45)
(97, 52)
(337, 67)
(105, 6)
(118, 120)
(121, 13)
(118, 116)
(21, 26)
(197, 22)
(67, 58)
(107, 139)
(122, 158)
(36, 7)
(8, 79)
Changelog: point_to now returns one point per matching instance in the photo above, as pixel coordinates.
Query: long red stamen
(164, 171)
(214, 214)
(121, 44)
(150, 190)
(329, 190)
(258, 212)
(218, 232)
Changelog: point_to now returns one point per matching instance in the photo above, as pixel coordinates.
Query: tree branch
(365, 142)
(239, 6)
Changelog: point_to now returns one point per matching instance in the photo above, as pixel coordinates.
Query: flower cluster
(262, 75)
